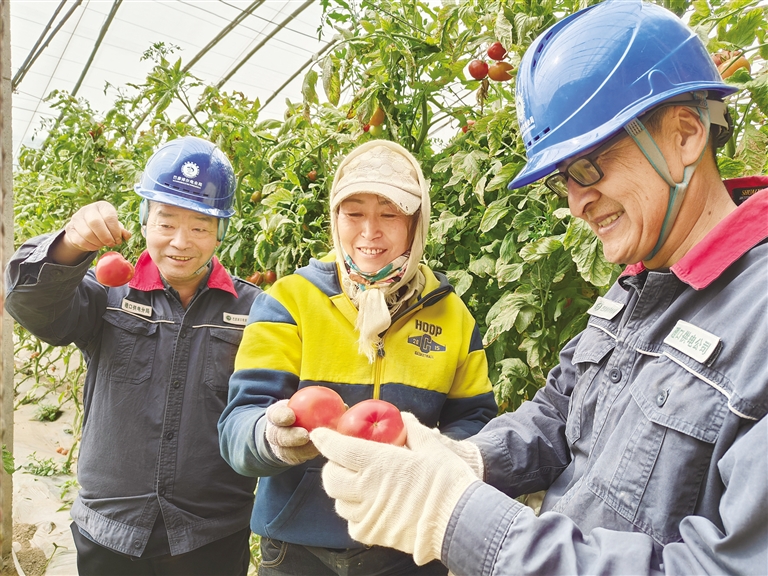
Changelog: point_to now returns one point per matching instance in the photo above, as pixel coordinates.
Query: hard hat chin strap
(677, 190)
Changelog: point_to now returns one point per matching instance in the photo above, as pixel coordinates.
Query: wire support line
(226, 30)
(96, 46)
(299, 71)
(261, 44)
(22, 71)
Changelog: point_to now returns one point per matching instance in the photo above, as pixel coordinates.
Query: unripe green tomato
(376, 131)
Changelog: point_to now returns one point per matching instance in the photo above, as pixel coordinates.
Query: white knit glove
(466, 450)
(393, 496)
(290, 444)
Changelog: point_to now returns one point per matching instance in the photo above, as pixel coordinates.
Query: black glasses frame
(558, 182)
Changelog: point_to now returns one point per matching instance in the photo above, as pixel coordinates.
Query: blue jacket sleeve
(59, 304)
(526, 450)
(491, 534)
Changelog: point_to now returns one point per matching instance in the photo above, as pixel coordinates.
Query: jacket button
(183, 333)
(661, 397)
(614, 375)
(176, 383)
(169, 435)
(136, 544)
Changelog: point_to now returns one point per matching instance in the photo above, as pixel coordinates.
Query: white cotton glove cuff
(467, 451)
(289, 444)
(391, 496)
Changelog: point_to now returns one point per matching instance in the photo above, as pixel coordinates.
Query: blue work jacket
(650, 436)
(156, 383)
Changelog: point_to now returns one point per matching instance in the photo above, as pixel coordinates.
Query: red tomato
(270, 277)
(316, 407)
(496, 51)
(467, 126)
(312, 175)
(375, 420)
(366, 127)
(256, 278)
(478, 69)
(113, 270)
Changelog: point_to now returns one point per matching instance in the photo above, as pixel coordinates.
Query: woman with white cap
(368, 321)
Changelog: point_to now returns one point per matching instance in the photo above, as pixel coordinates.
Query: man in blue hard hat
(156, 497)
(650, 437)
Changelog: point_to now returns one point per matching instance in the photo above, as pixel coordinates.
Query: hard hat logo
(190, 169)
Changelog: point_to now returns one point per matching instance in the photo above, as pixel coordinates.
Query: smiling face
(372, 231)
(626, 208)
(180, 242)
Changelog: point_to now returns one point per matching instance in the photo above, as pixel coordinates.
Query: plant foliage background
(526, 269)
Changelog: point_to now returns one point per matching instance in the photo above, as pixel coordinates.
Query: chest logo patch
(692, 341)
(424, 342)
(136, 308)
(604, 308)
(237, 319)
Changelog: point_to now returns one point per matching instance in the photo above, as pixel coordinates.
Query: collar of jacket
(147, 276)
(734, 236)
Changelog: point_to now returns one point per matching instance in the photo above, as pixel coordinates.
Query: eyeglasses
(584, 169)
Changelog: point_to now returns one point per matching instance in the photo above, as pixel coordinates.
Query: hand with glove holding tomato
(396, 497)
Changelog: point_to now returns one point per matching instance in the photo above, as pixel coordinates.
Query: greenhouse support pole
(6, 249)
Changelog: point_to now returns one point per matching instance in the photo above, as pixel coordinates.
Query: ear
(689, 133)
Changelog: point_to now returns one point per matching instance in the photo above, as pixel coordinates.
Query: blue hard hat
(592, 73)
(190, 173)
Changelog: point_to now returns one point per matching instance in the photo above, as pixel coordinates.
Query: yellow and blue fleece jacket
(301, 333)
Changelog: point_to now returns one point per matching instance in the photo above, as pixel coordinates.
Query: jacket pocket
(591, 353)
(128, 348)
(220, 359)
(652, 466)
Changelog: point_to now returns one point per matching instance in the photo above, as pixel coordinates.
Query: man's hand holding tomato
(90, 229)
(391, 496)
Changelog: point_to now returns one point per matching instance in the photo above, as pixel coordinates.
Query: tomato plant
(316, 407)
(113, 269)
(376, 420)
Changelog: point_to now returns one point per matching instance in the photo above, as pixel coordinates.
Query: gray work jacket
(156, 384)
(650, 436)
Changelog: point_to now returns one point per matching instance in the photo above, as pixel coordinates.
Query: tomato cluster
(499, 71)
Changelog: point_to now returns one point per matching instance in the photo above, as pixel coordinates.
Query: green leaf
(495, 211)
(587, 252)
(541, 248)
(752, 150)
(503, 30)
(331, 80)
(758, 88)
(461, 280)
(503, 177)
(309, 87)
(508, 273)
(502, 315)
(512, 368)
(483, 266)
(8, 463)
(743, 33)
(444, 224)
